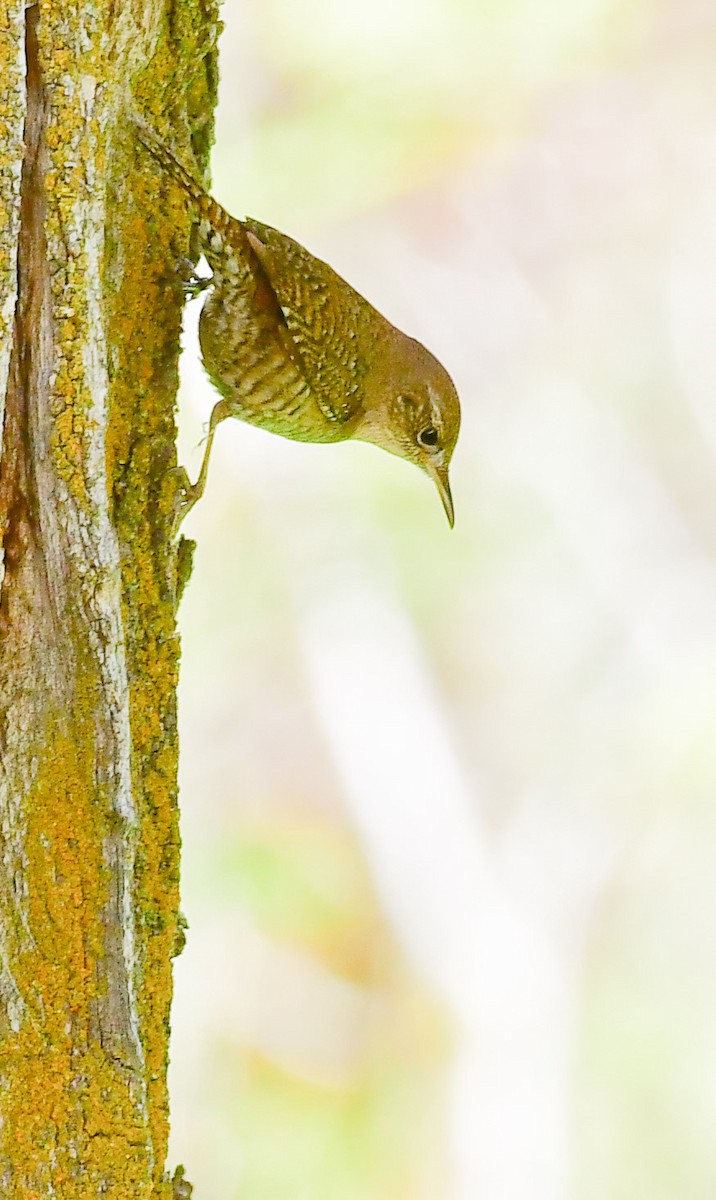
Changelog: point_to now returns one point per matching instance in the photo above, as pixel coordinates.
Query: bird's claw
(192, 283)
(185, 497)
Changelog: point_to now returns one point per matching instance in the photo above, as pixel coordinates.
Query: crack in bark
(29, 366)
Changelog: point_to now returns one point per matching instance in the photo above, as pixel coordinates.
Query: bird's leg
(188, 493)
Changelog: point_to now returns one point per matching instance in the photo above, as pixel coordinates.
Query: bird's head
(412, 409)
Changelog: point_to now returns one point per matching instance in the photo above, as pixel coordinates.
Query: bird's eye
(428, 436)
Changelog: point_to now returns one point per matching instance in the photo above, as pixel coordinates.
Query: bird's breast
(251, 365)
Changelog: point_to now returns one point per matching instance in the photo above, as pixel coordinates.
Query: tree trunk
(89, 327)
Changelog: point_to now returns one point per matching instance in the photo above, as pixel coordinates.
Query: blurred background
(448, 799)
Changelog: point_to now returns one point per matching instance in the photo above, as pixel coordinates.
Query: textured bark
(89, 329)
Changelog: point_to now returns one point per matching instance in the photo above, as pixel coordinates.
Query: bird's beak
(439, 476)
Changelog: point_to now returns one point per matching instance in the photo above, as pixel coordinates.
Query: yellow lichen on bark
(89, 854)
(65, 1092)
(139, 458)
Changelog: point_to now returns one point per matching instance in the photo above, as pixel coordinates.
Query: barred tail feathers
(214, 217)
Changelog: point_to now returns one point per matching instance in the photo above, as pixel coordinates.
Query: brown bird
(293, 348)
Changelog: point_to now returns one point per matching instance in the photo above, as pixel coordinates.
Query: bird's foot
(186, 495)
(192, 283)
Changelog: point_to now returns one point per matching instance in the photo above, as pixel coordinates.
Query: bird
(291, 347)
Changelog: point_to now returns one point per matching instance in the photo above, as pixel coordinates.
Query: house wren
(293, 348)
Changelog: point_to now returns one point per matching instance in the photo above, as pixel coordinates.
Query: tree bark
(90, 309)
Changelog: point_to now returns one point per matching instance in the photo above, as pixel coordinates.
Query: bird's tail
(216, 218)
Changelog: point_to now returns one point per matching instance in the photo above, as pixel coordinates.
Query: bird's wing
(324, 316)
